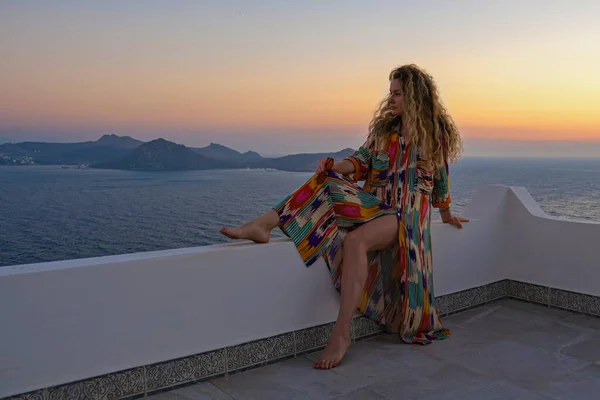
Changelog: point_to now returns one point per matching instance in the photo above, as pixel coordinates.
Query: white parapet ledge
(70, 320)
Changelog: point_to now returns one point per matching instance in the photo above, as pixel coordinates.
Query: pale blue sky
(286, 76)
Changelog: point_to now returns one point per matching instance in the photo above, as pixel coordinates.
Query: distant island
(126, 153)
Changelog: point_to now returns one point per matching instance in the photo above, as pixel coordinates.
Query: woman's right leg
(337, 220)
(312, 194)
(258, 230)
(312, 215)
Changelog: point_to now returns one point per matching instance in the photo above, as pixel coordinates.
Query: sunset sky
(288, 76)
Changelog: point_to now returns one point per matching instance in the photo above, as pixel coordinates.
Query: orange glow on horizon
(511, 92)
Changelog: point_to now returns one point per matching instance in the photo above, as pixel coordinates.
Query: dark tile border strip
(529, 292)
(150, 379)
(573, 301)
(469, 298)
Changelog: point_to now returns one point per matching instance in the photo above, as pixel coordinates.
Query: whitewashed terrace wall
(549, 251)
(71, 320)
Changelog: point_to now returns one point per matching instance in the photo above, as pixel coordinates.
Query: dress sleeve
(441, 186)
(362, 160)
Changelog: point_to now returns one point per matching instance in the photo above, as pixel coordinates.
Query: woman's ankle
(342, 330)
(270, 220)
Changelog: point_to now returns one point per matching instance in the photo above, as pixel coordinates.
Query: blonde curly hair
(428, 124)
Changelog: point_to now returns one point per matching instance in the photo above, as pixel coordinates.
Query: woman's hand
(343, 167)
(448, 218)
(456, 221)
(321, 166)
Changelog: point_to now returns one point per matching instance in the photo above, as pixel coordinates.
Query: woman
(380, 233)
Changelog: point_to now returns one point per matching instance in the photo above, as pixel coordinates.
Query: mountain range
(124, 152)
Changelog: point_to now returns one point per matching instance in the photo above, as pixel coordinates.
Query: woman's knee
(354, 242)
(377, 234)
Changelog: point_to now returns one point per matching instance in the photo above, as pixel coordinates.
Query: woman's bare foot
(251, 231)
(257, 230)
(334, 352)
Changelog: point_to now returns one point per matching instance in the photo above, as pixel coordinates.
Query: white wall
(67, 321)
(549, 251)
(474, 255)
(71, 320)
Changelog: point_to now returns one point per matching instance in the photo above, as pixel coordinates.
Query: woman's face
(396, 101)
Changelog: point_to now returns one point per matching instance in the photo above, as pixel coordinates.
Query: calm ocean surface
(49, 213)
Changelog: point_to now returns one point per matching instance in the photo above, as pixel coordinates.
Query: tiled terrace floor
(504, 350)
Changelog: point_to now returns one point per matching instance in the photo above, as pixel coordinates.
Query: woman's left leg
(374, 235)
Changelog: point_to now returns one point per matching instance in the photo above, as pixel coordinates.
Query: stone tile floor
(504, 350)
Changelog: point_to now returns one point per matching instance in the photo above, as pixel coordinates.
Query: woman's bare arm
(343, 167)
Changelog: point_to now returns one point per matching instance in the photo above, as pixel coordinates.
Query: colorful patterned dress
(399, 289)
